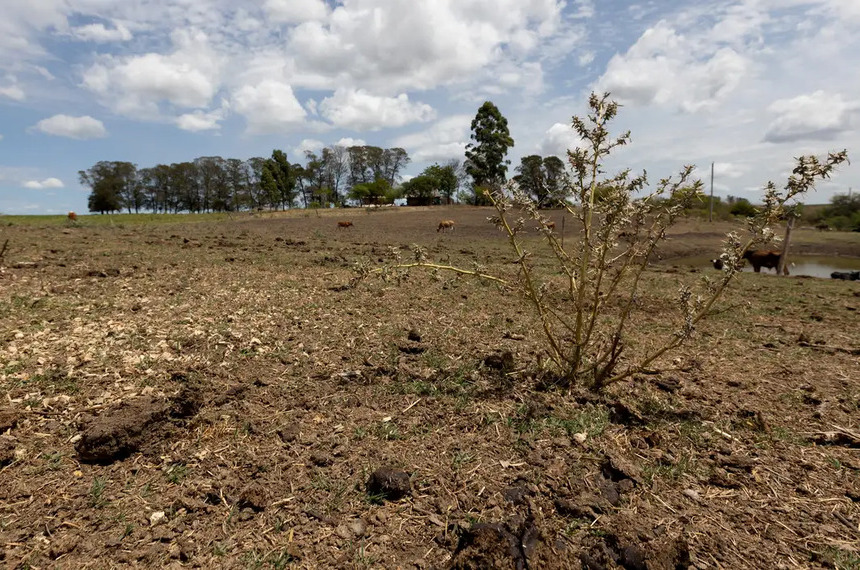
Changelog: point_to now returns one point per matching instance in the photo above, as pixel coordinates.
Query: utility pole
(711, 209)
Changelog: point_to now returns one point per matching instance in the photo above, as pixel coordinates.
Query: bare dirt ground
(210, 396)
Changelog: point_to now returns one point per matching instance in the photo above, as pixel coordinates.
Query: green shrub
(742, 207)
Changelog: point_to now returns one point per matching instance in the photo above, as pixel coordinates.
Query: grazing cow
(846, 275)
(446, 225)
(344, 224)
(823, 227)
(73, 217)
(764, 258)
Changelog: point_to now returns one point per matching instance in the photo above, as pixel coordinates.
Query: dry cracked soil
(217, 395)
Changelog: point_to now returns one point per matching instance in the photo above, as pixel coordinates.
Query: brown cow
(73, 217)
(344, 224)
(764, 258)
(446, 225)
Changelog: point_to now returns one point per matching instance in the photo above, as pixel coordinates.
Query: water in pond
(812, 265)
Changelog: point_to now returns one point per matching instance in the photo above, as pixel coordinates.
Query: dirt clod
(288, 433)
(119, 433)
(636, 547)
(7, 452)
(232, 393)
(255, 496)
(582, 508)
(623, 413)
(113, 272)
(737, 463)
(721, 478)
(632, 557)
(516, 494)
(8, 420)
(63, 545)
(321, 459)
(670, 384)
(187, 402)
(502, 361)
(609, 491)
(389, 483)
(617, 468)
(517, 544)
(488, 545)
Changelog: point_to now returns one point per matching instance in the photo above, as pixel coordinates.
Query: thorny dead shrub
(585, 314)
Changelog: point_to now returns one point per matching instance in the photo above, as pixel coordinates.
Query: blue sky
(747, 84)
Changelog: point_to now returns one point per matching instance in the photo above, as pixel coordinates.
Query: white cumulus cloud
(80, 128)
(445, 139)
(135, 85)
(309, 145)
(558, 139)
(98, 33)
(817, 116)
(349, 141)
(43, 184)
(199, 120)
(421, 44)
(295, 11)
(359, 110)
(13, 92)
(316, 146)
(22, 23)
(667, 68)
(844, 9)
(730, 170)
(269, 107)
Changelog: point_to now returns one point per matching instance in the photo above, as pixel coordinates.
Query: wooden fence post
(782, 266)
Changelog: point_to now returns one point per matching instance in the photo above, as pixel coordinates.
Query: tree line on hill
(337, 175)
(213, 183)
(842, 213)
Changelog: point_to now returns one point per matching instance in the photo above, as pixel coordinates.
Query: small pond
(812, 265)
